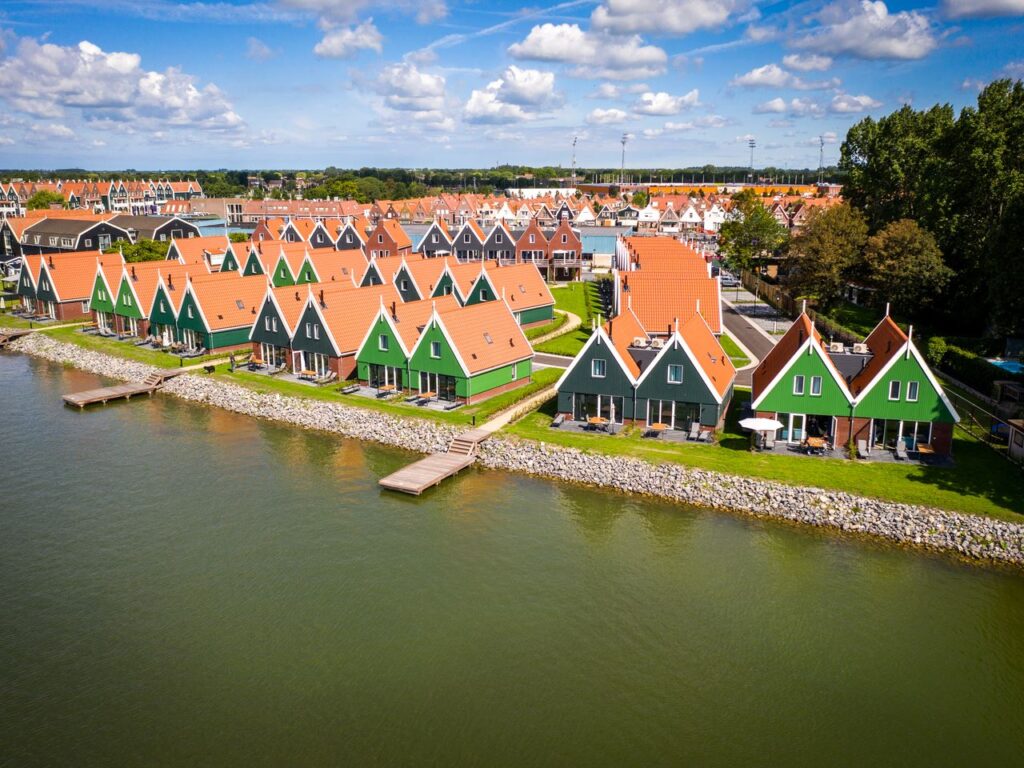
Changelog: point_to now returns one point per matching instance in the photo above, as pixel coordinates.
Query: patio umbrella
(3, 304)
(760, 425)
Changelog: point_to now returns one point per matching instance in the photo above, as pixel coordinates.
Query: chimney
(322, 304)
(394, 311)
(51, 261)
(170, 282)
(134, 276)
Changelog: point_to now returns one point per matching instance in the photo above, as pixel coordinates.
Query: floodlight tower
(821, 159)
(574, 138)
(752, 143)
(622, 170)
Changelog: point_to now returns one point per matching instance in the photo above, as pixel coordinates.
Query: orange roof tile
(660, 299)
(486, 336)
(227, 299)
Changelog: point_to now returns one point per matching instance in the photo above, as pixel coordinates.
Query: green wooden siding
(44, 291)
(446, 286)
(488, 380)
(929, 405)
(372, 277)
(232, 337)
(615, 383)
(409, 292)
(253, 265)
(260, 334)
(832, 401)
(307, 274)
(482, 291)
(372, 354)
(195, 322)
(536, 315)
(447, 364)
(162, 312)
(692, 389)
(230, 264)
(25, 285)
(126, 305)
(282, 274)
(309, 343)
(101, 300)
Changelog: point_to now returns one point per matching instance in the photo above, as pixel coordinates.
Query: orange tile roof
(194, 250)
(74, 273)
(660, 299)
(521, 285)
(709, 353)
(410, 317)
(486, 336)
(348, 313)
(622, 330)
(884, 341)
(338, 266)
(229, 300)
(395, 231)
(145, 276)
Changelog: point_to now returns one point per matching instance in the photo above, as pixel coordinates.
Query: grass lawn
(860, 320)
(733, 351)
(10, 321)
(543, 330)
(127, 349)
(581, 299)
(980, 482)
(483, 411)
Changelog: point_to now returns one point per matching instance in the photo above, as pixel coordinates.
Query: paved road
(552, 361)
(749, 336)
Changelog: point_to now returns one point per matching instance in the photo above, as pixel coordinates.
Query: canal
(181, 586)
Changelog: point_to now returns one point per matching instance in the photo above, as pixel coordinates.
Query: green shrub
(975, 371)
(935, 350)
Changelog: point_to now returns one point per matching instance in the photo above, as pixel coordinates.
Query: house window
(316, 331)
(380, 238)
(188, 311)
(163, 238)
(53, 241)
(598, 368)
(913, 388)
(433, 238)
(798, 385)
(565, 238)
(894, 390)
(404, 285)
(465, 238)
(348, 238)
(273, 324)
(266, 323)
(532, 238)
(85, 306)
(382, 342)
(498, 238)
(816, 386)
(484, 296)
(675, 374)
(435, 349)
(88, 242)
(127, 300)
(163, 307)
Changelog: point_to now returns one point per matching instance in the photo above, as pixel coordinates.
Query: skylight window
(487, 338)
(239, 304)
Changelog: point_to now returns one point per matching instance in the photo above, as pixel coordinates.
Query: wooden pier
(147, 386)
(10, 335)
(426, 473)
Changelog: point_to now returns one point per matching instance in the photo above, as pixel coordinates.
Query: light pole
(752, 143)
(622, 169)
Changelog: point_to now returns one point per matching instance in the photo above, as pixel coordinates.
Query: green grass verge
(739, 359)
(126, 349)
(10, 321)
(543, 330)
(483, 411)
(980, 482)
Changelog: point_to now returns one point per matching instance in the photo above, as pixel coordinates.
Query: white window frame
(915, 387)
(435, 350)
(382, 342)
(594, 366)
(802, 381)
(816, 384)
(898, 390)
(674, 367)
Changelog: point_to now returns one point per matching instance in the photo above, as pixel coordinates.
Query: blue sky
(457, 83)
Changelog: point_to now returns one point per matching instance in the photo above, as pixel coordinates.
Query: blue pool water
(1010, 366)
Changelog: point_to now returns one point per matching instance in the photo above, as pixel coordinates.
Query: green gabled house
(874, 394)
(469, 354)
(256, 263)
(217, 310)
(275, 324)
(26, 289)
(103, 299)
(383, 359)
(230, 262)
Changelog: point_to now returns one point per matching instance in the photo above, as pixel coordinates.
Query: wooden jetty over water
(16, 333)
(426, 473)
(127, 391)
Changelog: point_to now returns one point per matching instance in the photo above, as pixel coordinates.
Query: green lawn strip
(582, 300)
(739, 359)
(543, 330)
(398, 407)
(859, 320)
(127, 349)
(568, 344)
(979, 483)
(10, 321)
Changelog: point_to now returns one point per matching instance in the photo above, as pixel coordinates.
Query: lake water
(182, 587)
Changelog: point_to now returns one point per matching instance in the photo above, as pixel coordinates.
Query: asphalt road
(749, 336)
(553, 361)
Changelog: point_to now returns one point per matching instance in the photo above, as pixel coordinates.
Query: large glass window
(798, 385)
(598, 368)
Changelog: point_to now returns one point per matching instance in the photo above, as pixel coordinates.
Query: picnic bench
(656, 429)
(598, 423)
(307, 375)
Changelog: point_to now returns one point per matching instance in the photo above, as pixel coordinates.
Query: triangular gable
(435, 319)
(676, 341)
(815, 348)
(910, 349)
(598, 337)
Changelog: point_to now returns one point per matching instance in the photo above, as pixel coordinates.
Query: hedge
(974, 370)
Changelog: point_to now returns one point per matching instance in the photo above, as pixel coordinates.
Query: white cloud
(807, 62)
(54, 131)
(768, 76)
(519, 94)
(348, 11)
(99, 143)
(669, 127)
(606, 116)
(760, 34)
(257, 50)
(6, 141)
(848, 104)
(614, 91)
(794, 107)
(346, 42)
(404, 87)
(595, 55)
(964, 9)
(48, 80)
(774, 76)
(662, 103)
(772, 106)
(665, 17)
(867, 30)
(1014, 69)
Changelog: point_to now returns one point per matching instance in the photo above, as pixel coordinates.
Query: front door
(796, 427)
(188, 338)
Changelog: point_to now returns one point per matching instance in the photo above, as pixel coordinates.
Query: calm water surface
(182, 587)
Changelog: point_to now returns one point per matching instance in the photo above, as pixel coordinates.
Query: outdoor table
(598, 422)
(307, 374)
(386, 388)
(428, 395)
(925, 449)
(659, 427)
(815, 444)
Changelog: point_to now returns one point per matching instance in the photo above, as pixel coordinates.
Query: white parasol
(761, 425)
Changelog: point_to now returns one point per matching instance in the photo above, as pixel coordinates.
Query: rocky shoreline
(969, 536)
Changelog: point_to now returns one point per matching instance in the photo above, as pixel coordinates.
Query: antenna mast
(574, 161)
(622, 170)
(821, 158)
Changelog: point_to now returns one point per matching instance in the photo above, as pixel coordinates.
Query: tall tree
(827, 254)
(905, 266)
(751, 233)
(44, 198)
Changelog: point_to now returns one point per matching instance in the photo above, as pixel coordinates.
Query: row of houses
(75, 230)
(658, 360)
(123, 196)
(874, 395)
(432, 325)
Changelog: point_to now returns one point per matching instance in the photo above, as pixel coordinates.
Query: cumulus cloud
(867, 30)
(662, 103)
(774, 76)
(772, 106)
(346, 42)
(52, 131)
(807, 62)
(6, 141)
(257, 50)
(413, 100)
(348, 11)
(965, 9)
(848, 104)
(47, 80)
(606, 116)
(672, 17)
(796, 107)
(519, 94)
(614, 91)
(595, 55)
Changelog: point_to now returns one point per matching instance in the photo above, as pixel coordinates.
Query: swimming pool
(1010, 366)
